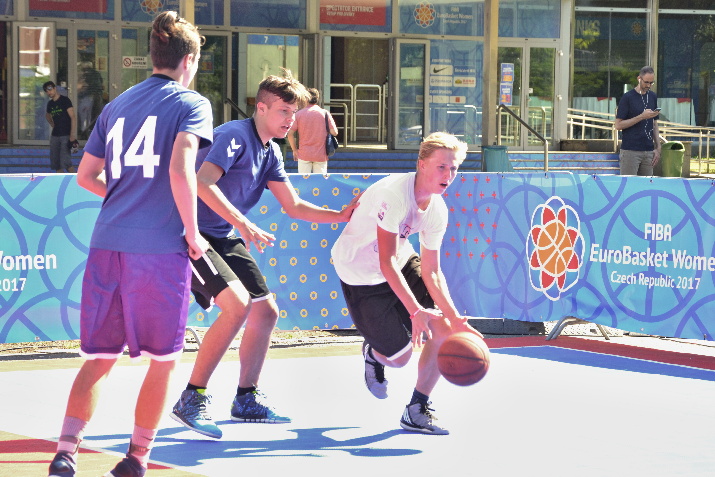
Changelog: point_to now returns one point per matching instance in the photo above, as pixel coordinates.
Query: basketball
(463, 359)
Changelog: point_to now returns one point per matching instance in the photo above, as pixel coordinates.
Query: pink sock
(71, 435)
(140, 446)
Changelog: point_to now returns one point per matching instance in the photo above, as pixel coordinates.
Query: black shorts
(225, 261)
(380, 316)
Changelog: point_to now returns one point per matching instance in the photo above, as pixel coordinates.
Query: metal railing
(533, 131)
(365, 108)
(235, 107)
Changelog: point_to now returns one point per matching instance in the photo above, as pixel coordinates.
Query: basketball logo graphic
(554, 248)
(425, 14)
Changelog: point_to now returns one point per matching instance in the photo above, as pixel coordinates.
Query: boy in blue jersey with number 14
(141, 158)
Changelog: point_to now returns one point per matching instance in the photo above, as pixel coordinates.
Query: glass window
(145, 11)
(269, 13)
(92, 78)
(685, 76)
(686, 4)
(529, 19)
(36, 45)
(616, 4)
(136, 60)
(609, 50)
(442, 17)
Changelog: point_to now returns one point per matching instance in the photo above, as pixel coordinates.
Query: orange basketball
(463, 359)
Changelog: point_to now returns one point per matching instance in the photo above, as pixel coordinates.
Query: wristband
(412, 316)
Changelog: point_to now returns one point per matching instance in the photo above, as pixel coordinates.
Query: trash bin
(671, 159)
(496, 159)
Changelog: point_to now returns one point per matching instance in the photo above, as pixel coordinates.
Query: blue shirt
(248, 166)
(135, 135)
(638, 137)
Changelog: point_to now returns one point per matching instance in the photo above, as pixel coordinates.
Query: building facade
(391, 71)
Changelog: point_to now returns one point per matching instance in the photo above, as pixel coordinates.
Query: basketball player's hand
(347, 212)
(253, 234)
(420, 325)
(197, 246)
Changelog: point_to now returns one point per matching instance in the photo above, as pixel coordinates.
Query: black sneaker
(63, 465)
(127, 467)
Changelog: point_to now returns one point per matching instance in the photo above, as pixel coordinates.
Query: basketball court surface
(566, 407)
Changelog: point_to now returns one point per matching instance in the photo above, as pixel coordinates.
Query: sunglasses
(49, 88)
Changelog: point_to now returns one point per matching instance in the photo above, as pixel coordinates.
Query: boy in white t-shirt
(394, 295)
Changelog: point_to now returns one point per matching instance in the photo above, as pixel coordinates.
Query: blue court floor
(543, 409)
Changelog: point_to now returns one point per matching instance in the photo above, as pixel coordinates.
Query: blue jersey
(638, 137)
(135, 135)
(248, 165)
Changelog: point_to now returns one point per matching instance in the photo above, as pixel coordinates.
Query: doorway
(358, 87)
(527, 87)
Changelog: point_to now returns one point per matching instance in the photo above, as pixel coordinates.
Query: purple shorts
(134, 300)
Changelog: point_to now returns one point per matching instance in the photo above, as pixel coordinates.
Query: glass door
(540, 99)
(92, 84)
(411, 99)
(34, 55)
(212, 76)
(509, 62)
(527, 85)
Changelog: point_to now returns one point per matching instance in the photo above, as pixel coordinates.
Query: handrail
(345, 128)
(523, 123)
(235, 107)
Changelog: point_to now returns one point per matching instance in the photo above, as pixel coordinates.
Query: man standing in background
(637, 116)
(60, 115)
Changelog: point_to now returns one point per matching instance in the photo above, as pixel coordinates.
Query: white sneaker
(374, 374)
(418, 418)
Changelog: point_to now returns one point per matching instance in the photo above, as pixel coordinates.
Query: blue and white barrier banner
(627, 252)
(632, 253)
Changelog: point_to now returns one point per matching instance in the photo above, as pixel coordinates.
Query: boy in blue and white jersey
(141, 158)
(240, 165)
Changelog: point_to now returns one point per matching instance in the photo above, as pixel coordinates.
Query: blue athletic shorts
(139, 301)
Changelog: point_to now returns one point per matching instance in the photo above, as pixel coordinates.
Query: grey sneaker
(63, 465)
(374, 374)
(190, 410)
(252, 407)
(418, 417)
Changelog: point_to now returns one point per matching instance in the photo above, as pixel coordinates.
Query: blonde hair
(442, 140)
(285, 87)
(172, 38)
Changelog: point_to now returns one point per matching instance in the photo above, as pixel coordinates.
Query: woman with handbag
(315, 126)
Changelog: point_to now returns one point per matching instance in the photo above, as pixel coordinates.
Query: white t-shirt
(389, 204)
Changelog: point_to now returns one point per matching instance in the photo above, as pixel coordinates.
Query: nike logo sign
(436, 70)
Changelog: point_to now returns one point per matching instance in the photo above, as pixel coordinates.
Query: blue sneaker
(251, 407)
(63, 465)
(127, 467)
(190, 410)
